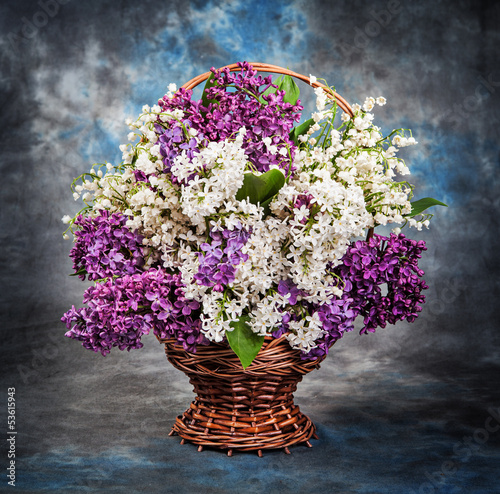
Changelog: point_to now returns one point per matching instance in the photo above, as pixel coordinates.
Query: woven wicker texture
(245, 410)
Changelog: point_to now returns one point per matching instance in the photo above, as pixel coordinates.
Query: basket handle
(265, 67)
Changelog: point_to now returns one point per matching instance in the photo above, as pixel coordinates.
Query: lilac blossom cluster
(267, 118)
(172, 141)
(105, 247)
(120, 311)
(366, 267)
(220, 258)
(392, 261)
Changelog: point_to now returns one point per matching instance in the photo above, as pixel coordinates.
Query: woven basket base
(247, 430)
(243, 410)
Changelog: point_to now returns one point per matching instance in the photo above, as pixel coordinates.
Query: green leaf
(244, 342)
(211, 82)
(418, 207)
(260, 189)
(265, 205)
(79, 272)
(300, 130)
(292, 91)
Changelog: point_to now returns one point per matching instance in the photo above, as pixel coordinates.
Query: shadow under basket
(243, 410)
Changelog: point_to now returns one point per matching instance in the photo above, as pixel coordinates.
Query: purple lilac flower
(220, 258)
(288, 287)
(393, 261)
(120, 311)
(366, 267)
(173, 140)
(105, 247)
(140, 176)
(242, 107)
(336, 314)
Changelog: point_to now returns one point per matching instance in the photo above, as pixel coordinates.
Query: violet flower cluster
(393, 262)
(173, 141)
(220, 258)
(105, 247)
(229, 111)
(121, 310)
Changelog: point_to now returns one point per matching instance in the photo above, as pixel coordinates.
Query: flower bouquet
(244, 240)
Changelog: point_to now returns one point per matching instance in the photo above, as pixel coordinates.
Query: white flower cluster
(216, 175)
(342, 185)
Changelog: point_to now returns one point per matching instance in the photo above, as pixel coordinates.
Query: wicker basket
(251, 409)
(245, 410)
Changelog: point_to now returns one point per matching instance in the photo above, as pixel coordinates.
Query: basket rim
(275, 69)
(276, 355)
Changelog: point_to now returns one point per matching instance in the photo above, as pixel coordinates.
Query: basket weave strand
(245, 410)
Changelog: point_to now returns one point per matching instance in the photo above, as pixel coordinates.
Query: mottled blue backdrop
(413, 408)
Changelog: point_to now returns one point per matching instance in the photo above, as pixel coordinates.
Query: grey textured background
(392, 407)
